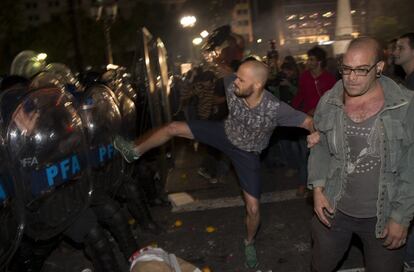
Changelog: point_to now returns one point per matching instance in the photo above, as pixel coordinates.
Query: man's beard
(243, 95)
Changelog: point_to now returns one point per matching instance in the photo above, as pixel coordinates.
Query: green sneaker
(250, 253)
(126, 148)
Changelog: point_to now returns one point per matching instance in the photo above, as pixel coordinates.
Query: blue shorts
(246, 164)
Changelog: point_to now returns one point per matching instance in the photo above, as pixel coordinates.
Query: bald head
(257, 70)
(367, 44)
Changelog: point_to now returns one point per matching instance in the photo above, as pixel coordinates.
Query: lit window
(302, 17)
(328, 14)
(353, 11)
(313, 16)
(291, 17)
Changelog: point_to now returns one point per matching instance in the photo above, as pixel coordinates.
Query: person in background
(391, 69)
(285, 84)
(314, 82)
(404, 56)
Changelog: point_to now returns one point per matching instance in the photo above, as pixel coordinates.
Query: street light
(188, 21)
(106, 11)
(204, 34)
(197, 41)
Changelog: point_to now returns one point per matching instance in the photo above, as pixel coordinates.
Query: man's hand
(313, 139)
(308, 124)
(395, 235)
(321, 206)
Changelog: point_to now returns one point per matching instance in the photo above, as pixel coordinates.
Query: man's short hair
(379, 53)
(319, 54)
(259, 68)
(410, 37)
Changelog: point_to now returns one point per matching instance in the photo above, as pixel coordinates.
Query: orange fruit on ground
(210, 229)
(178, 223)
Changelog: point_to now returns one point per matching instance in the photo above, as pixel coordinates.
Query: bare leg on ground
(252, 216)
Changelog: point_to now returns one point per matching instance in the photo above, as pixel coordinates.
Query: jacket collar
(394, 94)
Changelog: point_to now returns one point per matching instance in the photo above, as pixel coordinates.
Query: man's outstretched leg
(252, 224)
(131, 151)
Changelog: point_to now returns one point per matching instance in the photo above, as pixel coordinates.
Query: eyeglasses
(345, 70)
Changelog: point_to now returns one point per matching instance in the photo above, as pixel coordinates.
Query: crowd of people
(361, 144)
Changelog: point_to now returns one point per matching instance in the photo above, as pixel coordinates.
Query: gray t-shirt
(363, 169)
(251, 129)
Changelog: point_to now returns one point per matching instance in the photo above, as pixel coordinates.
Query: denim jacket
(327, 161)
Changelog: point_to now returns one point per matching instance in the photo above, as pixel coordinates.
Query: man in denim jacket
(362, 169)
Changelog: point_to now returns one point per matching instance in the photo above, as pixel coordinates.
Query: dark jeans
(300, 153)
(292, 146)
(409, 253)
(330, 245)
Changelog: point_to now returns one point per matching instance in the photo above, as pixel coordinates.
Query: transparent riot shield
(153, 60)
(157, 78)
(64, 74)
(28, 63)
(46, 144)
(11, 212)
(47, 80)
(129, 115)
(102, 119)
(117, 79)
(164, 80)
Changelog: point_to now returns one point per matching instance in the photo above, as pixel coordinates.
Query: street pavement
(209, 231)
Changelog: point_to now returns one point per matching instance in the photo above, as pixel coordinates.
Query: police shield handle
(321, 206)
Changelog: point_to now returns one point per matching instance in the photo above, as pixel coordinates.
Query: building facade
(304, 24)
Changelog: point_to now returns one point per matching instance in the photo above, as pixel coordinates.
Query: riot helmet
(28, 63)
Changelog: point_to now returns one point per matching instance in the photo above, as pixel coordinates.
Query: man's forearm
(308, 124)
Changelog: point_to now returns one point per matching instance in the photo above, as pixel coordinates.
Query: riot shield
(11, 211)
(46, 144)
(27, 63)
(102, 119)
(47, 80)
(157, 78)
(126, 98)
(164, 80)
(64, 74)
(118, 79)
(153, 60)
(129, 115)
